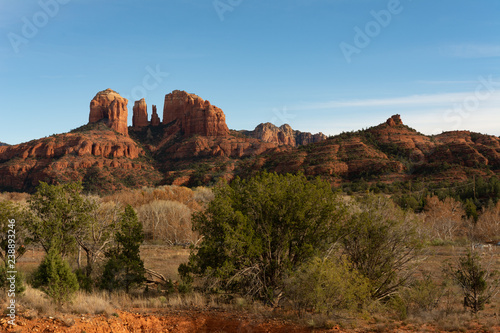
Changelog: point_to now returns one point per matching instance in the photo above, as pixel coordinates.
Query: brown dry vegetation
(166, 216)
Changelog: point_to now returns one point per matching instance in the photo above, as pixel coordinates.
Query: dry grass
(95, 303)
(36, 300)
(164, 260)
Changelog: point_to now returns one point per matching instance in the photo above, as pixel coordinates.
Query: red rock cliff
(194, 115)
(108, 105)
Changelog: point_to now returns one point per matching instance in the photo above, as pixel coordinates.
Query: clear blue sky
(319, 65)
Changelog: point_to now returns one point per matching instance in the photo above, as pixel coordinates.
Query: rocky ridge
(283, 135)
(193, 146)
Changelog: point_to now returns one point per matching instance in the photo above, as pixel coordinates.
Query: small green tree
(13, 235)
(124, 268)
(55, 278)
(256, 231)
(58, 213)
(478, 284)
(471, 210)
(13, 241)
(381, 242)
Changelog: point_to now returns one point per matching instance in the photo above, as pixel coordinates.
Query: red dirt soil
(172, 321)
(192, 321)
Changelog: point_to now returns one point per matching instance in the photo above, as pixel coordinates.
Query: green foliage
(326, 285)
(55, 278)
(94, 181)
(6, 284)
(257, 230)
(58, 214)
(124, 268)
(12, 233)
(381, 241)
(84, 281)
(478, 284)
(471, 210)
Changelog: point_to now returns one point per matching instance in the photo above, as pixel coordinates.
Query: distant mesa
(110, 107)
(3, 144)
(283, 135)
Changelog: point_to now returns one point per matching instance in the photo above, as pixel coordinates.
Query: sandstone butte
(194, 115)
(110, 107)
(140, 115)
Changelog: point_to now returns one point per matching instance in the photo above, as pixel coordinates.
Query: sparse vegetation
(329, 257)
(478, 284)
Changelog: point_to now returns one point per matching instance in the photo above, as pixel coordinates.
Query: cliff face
(194, 146)
(194, 115)
(140, 116)
(283, 135)
(110, 107)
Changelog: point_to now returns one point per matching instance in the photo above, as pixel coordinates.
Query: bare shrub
(203, 195)
(487, 227)
(168, 221)
(443, 219)
(14, 196)
(139, 197)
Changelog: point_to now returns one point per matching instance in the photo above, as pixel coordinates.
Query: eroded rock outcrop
(194, 115)
(155, 119)
(305, 138)
(395, 120)
(140, 116)
(283, 135)
(110, 107)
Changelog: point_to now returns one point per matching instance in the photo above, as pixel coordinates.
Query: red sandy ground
(188, 321)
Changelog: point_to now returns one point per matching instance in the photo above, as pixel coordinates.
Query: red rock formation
(395, 120)
(194, 115)
(140, 116)
(267, 132)
(155, 120)
(67, 157)
(283, 135)
(109, 106)
(305, 138)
